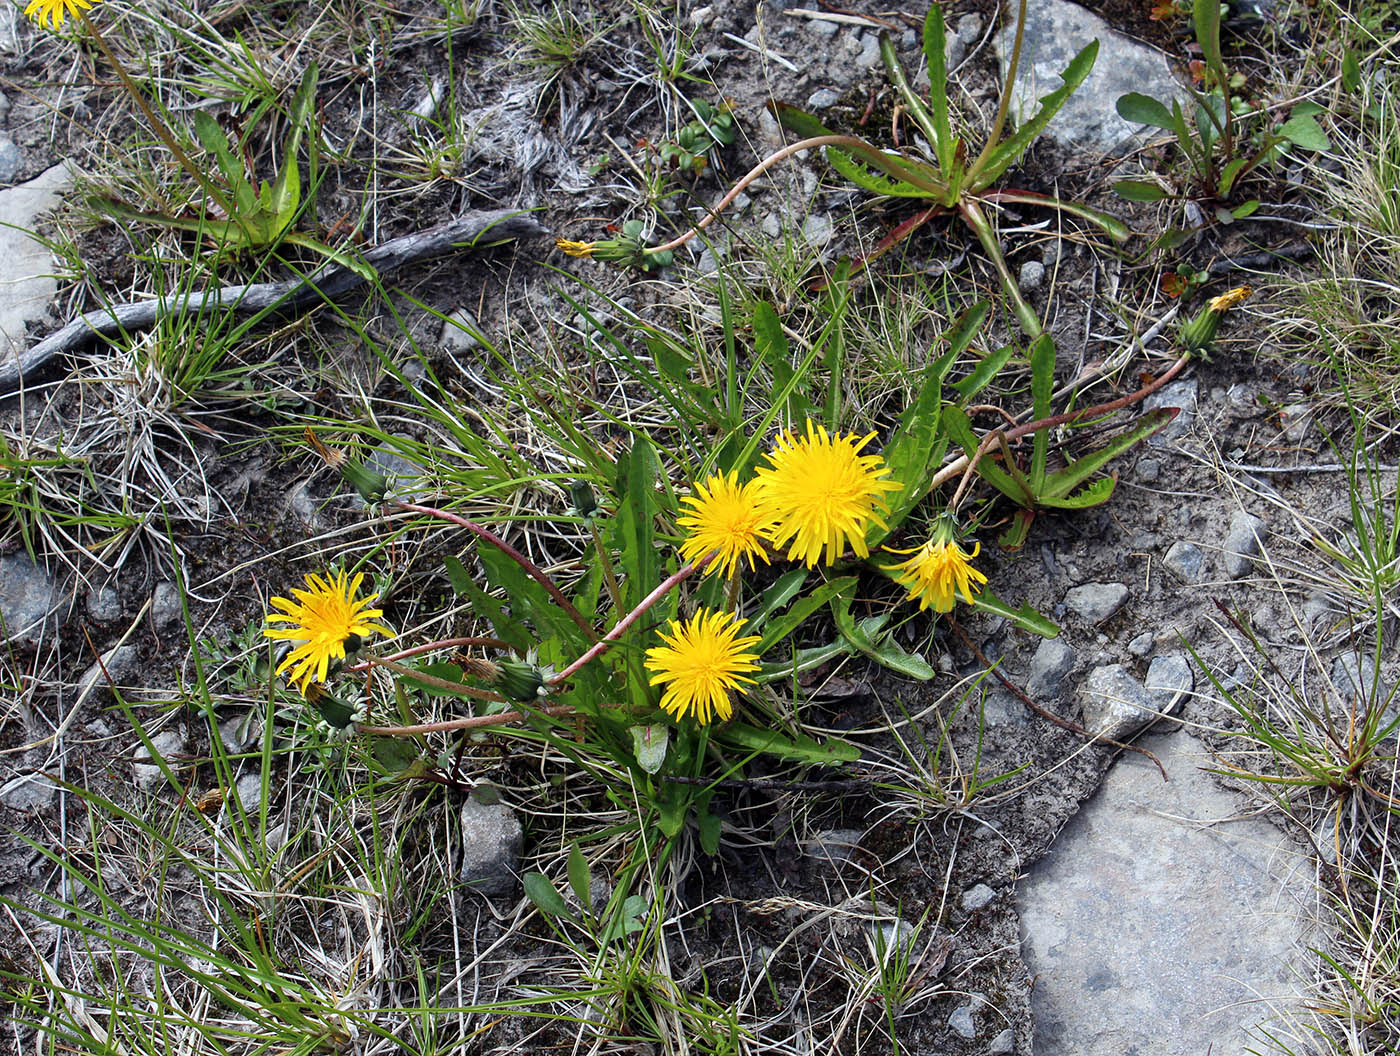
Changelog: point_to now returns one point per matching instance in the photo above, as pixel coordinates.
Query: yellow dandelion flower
(1230, 299)
(54, 11)
(573, 249)
(700, 663)
(821, 492)
(937, 569)
(322, 619)
(725, 519)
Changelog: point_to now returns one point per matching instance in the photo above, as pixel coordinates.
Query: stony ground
(1097, 901)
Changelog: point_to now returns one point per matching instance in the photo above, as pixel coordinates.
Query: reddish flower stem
(606, 642)
(511, 552)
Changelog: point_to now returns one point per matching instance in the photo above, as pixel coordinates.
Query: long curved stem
(158, 126)
(471, 723)
(959, 465)
(973, 216)
(850, 142)
(605, 643)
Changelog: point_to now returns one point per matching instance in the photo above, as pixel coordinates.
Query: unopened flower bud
(370, 483)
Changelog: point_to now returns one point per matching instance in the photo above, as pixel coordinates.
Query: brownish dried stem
(959, 465)
(474, 722)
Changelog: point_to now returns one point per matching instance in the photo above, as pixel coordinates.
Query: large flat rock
(1159, 918)
(27, 282)
(1056, 30)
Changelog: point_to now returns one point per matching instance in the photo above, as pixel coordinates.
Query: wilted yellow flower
(1230, 299)
(821, 492)
(938, 569)
(700, 663)
(322, 619)
(726, 520)
(54, 11)
(575, 249)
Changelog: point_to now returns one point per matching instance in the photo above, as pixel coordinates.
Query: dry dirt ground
(786, 900)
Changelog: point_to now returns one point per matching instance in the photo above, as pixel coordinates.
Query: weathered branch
(294, 295)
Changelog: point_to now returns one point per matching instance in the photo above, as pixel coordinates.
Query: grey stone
(1032, 276)
(1142, 644)
(248, 789)
(1053, 660)
(1115, 705)
(818, 229)
(1171, 679)
(1297, 420)
(305, 506)
(1096, 602)
(28, 792)
(833, 846)
(710, 258)
(11, 159)
(4, 108)
(1180, 394)
(459, 331)
(166, 609)
(1056, 31)
(27, 281)
(820, 27)
(491, 843)
(407, 479)
(28, 596)
(821, 99)
(1186, 561)
(9, 30)
(1243, 543)
(118, 667)
(965, 34)
(166, 745)
(1003, 1043)
(869, 56)
(771, 225)
(977, 896)
(960, 1022)
(1149, 927)
(1149, 469)
(104, 604)
(238, 732)
(1002, 708)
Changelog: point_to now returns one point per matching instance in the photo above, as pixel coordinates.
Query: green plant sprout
(1221, 136)
(946, 181)
(697, 142)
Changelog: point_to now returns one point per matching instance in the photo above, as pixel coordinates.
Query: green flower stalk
(1198, 333)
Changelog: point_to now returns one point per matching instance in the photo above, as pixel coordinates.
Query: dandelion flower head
(724, 519)
(54, 11)
(321, 620)
(822, 493)
(700, 663)
(937, 570)
(1230, 299)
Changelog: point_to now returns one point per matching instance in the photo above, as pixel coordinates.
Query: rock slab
(1056, 31)
(28, 280)
(1147, 933)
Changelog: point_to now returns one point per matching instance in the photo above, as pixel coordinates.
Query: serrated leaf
(870, 181)
(1302, 130)
(541, 891)
(1139, 191)
(802, 748)
(984, 373)
(579, 880)
(780, 627)
(1144, 110)
(1061, 483)
(457, 574)
(775, 597)
(1007, 153)
(1026, 617)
